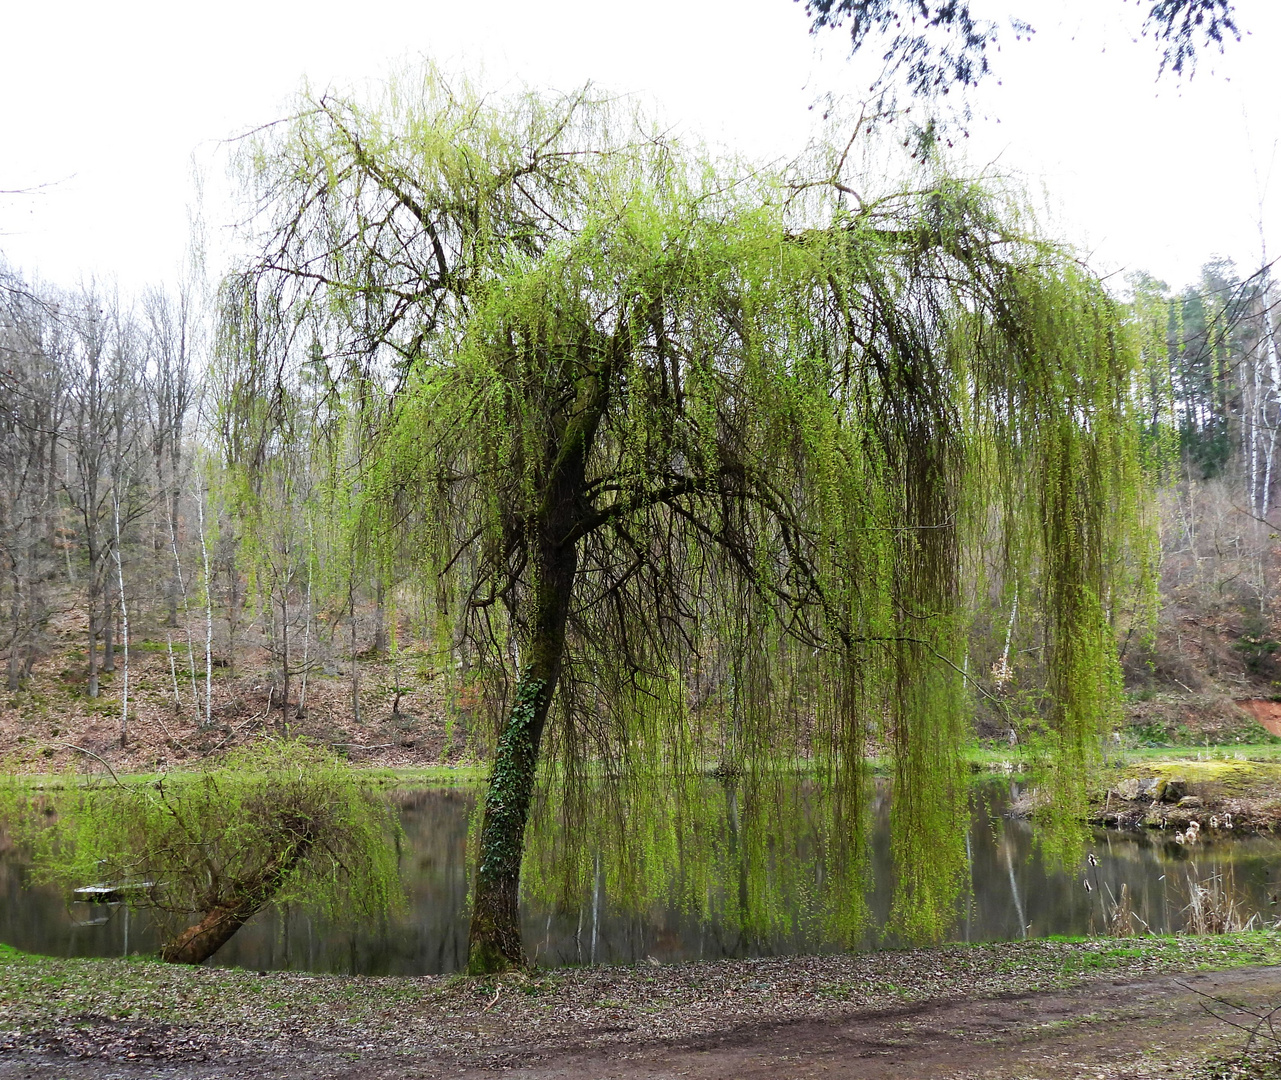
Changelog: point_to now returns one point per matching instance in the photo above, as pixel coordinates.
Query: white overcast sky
(107, 104)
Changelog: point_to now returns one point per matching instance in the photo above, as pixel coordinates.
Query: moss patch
(1229, 776)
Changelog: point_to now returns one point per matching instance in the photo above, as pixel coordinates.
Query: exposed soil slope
(405, 706)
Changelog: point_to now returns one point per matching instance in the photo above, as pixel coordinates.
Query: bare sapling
(124, 621)
(181, 581)
(301, 711)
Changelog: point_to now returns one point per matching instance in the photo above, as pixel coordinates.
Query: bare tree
(170, 385)
(31, 412)
(106, 447)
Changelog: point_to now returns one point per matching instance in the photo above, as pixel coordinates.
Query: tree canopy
(699, 463)
(939, 44)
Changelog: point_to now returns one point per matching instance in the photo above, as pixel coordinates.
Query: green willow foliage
(760, 859)
(763, 428)
(278, 822)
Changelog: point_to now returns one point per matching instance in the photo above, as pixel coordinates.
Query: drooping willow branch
(700, 442)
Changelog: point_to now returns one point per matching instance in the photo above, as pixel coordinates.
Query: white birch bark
(186, 617)
(204, 551)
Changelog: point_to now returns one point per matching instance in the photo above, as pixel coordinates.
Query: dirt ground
(1118, 1029)
(954, 1013)
(1114, 1029)
(1265, 711)
(411, 714)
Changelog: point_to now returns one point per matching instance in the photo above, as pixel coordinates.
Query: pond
(1014, 894)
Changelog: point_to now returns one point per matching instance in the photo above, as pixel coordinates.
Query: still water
(1014, 894)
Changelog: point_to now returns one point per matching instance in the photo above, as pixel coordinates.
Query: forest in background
(175, 575)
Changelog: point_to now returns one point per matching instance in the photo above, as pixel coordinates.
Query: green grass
(152, 646)
(984, 761)
(1239, 752)
(1091, 955)
(427, 775)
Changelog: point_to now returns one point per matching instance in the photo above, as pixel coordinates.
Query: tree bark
(284, 662)
(92, 688)
(380, 620)
(109, 638)
(14, 664)
(174, 588)
(200, 941)
(355, 669)
(495, 943)
(235, 907)
(233, 611)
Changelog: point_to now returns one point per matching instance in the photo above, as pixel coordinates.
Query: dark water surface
(1014, 895)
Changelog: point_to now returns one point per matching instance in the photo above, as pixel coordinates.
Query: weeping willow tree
(204, 851)
(693, 457)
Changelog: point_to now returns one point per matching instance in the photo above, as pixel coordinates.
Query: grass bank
(984, 761)
(1224, 791)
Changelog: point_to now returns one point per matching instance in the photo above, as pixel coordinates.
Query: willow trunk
(495, 940)
(240, 903)
(198, 942)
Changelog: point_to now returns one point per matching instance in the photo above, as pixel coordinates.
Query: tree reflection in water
(733, 883)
